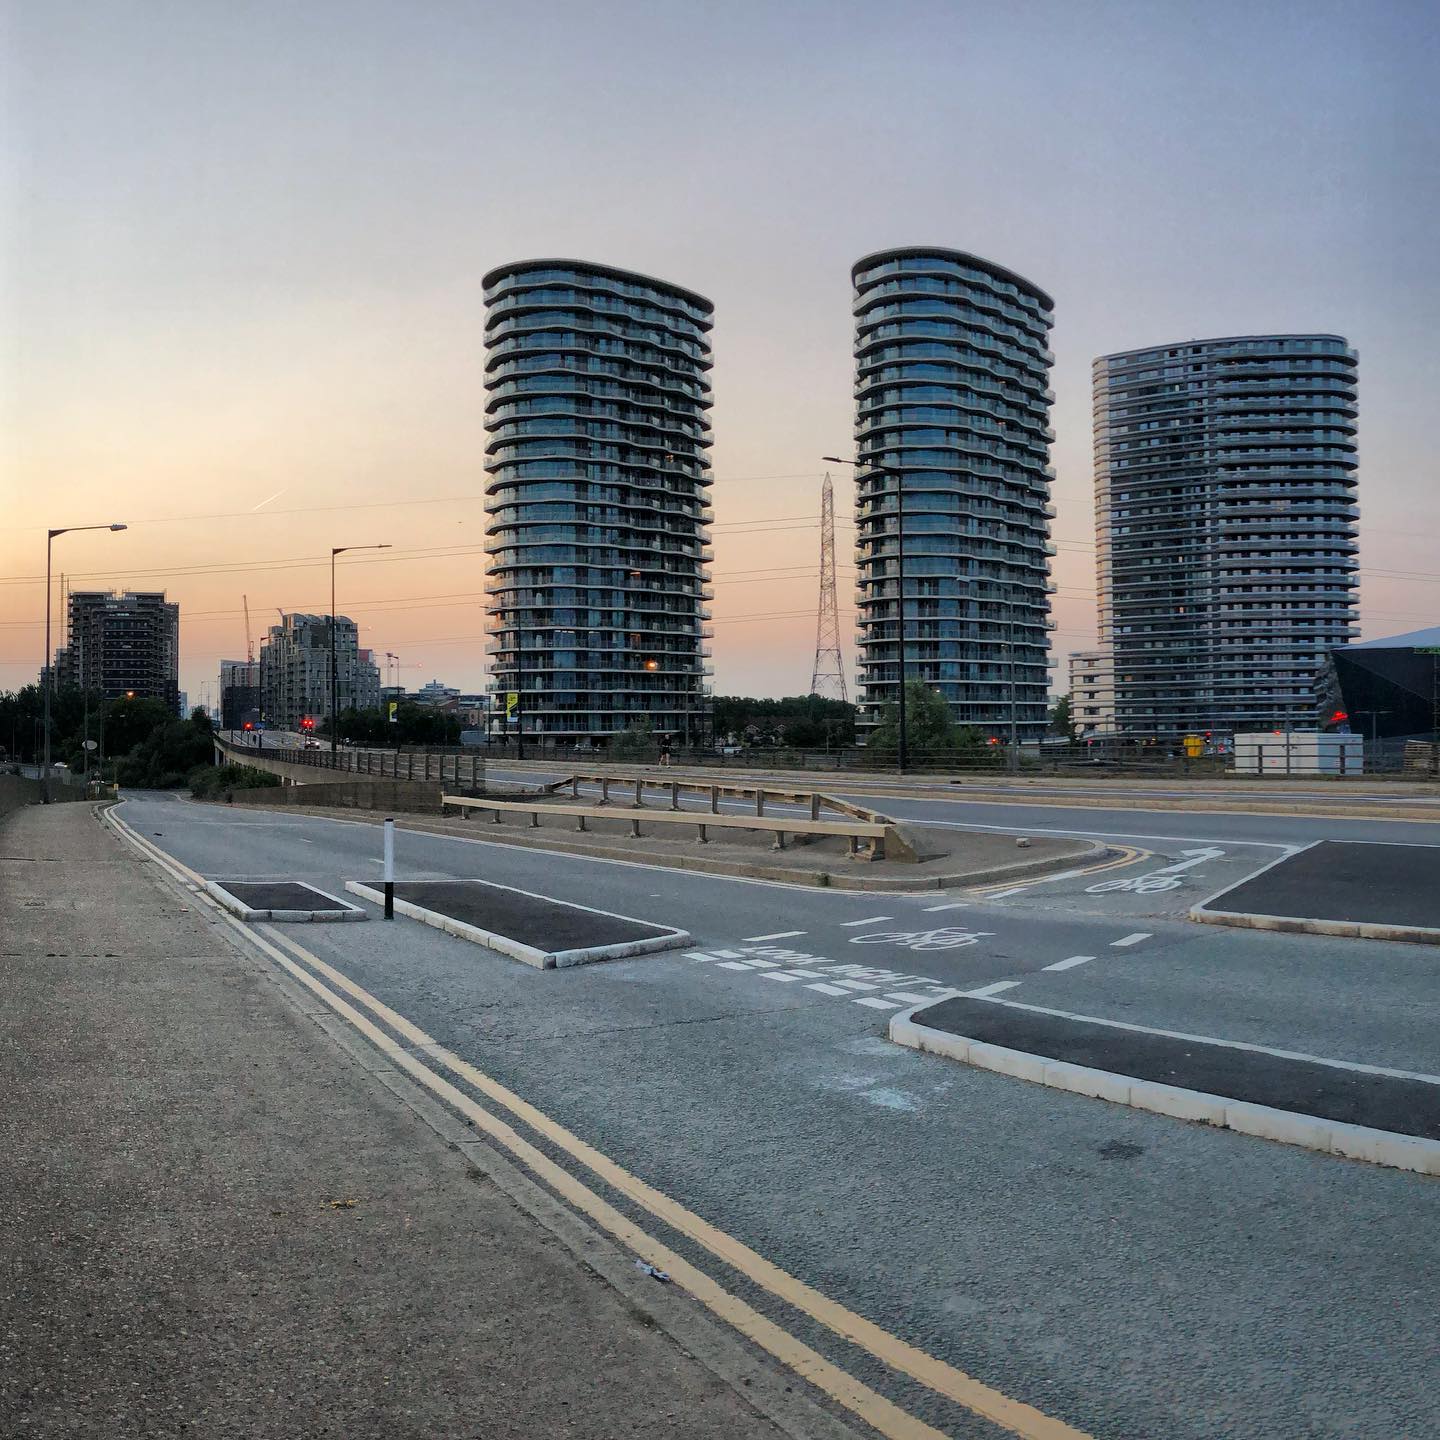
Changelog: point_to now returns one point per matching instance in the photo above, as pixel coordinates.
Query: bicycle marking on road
(944, 938)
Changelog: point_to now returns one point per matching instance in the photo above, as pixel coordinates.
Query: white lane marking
(778, 935)
(1071, 963)
(875, 1004)
(726, 954)
(1196, 857)
(994, 989)
(697, 955)
(1001, 894)
(778, 975)
(1134, 939)
(764, 964)
(954, 905)
(857, 985)
(734, 965)
(805, 974)
(828, 989)
(906, 998)
(870, 920)
(1108, 834)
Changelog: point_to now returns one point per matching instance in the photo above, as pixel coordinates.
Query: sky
(241, 245)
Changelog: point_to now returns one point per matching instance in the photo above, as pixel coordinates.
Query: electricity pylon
(829, 671)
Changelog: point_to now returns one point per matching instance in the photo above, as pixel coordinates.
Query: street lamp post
(900, 748)
(334, 666)
(47, 672)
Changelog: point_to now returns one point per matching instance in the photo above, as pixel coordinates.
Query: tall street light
(334, 667)
(48, 670)
(900, 749)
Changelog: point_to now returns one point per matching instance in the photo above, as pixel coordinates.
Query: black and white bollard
(389, 869)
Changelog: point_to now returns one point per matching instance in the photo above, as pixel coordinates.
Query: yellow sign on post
(394, 708)
(512, 704)
(1194, 746)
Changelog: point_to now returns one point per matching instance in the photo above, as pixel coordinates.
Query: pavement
(226, 1216)
(1123, 1273)
(1386, 890)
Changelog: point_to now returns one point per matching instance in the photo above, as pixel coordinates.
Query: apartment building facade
(1226, 524)
(122, 644)
(952, 366)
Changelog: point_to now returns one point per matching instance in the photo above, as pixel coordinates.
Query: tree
(1062, 719)
(168, 754)
(635, 742)
(128, 722)
(930, 731)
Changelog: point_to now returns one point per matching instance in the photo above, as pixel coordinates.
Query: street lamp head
(837, 460)
(119, 527)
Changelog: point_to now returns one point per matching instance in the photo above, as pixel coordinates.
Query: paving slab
(1337, 887)
(537, 929)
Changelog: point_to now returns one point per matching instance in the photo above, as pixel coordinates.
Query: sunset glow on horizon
(243, 250)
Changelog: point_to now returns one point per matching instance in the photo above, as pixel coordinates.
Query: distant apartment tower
(295, 671)
(953, 400)
(598, 498)
(1226, 523)
(1092, 693)
(239, 693)
(122, 644)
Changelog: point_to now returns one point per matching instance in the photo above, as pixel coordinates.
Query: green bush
(208, 781)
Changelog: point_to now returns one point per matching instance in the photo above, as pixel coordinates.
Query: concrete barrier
(408, 797)
(17, 791)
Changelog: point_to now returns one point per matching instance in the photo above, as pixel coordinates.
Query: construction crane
(249, 643)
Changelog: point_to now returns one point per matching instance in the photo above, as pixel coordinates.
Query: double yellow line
(1129, 854)
(882, 1414)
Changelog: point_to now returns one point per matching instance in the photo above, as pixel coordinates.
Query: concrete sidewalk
(216, 1221)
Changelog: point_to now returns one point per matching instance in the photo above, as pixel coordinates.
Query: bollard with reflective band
(389, 869)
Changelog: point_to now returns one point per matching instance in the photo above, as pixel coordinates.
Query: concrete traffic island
(548, 934)
(281, 900)
(952, 858)
(1335, 887)
(1388, 1117)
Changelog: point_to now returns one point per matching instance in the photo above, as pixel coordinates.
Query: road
(1132, 1275)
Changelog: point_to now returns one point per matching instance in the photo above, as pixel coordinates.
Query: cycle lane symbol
(944, 938)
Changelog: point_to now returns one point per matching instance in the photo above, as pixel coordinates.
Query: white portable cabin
(1299, 752)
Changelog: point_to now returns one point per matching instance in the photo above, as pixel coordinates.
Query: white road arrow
(1197, 857)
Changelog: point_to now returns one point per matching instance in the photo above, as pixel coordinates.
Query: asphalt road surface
(1130, 1274)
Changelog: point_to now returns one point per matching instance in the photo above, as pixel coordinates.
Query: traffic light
(307, 722)
(247, 726)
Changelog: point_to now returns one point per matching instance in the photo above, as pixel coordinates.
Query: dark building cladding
(1386, 688)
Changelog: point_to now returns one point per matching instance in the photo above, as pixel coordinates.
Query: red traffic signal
(247, 726)
(307, 722)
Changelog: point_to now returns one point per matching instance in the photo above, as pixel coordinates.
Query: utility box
(1299, 752)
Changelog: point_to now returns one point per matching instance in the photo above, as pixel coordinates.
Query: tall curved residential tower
(1225, 528)
(598, 497)
(953, 400)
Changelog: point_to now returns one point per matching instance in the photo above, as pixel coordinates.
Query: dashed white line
(697, 955)
(778, 935)
(828, 989)
(875, 1004)
(994, 989)
(1134, 939)
(869, 920)
(954, 905)
(856, 985)
(778, 975)
(905, 997)
(734, 965)
(1071, 963)
(805, 974)
(1001, 894)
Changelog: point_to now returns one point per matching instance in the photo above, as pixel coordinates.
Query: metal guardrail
(874, 832)
(368, 764)
(759, 795)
